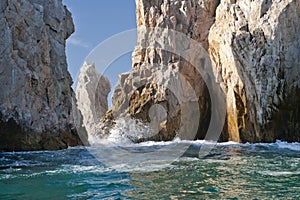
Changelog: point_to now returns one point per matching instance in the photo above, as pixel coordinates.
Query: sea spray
(125, 131)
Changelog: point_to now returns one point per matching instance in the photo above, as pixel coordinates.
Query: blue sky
(96, 21)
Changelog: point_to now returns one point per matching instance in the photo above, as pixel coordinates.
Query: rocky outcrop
(36, 97)
(255, 48)
(91, 92)
(156, 90)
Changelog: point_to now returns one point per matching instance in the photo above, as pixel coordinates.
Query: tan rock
(255, 45)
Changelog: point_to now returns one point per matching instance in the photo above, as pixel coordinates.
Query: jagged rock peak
(92, 92)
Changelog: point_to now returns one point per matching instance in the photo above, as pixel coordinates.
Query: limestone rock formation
(36, 97)
(91, 93)
(154, 70)
(255, 47)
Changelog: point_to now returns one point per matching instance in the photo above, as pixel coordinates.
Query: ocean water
(227, 171)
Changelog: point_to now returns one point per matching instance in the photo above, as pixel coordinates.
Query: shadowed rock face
(36, 97)
(255, 46)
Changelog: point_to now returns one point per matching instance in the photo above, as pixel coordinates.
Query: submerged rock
(255, 46)
(36, 98)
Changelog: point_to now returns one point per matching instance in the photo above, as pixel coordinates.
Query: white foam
(153, 143)
(124, 131)
(80, 169)
(295, 146)
(127, 130)
(279, 173)
(195, 142)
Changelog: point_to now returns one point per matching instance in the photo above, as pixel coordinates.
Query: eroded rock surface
(255, 45)
(256, 48)
(36, 97)
(151, 92)
(91, 93)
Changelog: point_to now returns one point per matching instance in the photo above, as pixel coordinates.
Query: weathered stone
(91, 92)
(255, 45)
(155, 71)
(36, 97)
(256, 48)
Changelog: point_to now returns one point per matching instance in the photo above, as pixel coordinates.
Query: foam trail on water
(279, 173)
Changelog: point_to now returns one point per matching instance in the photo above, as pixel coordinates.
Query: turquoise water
(229, 171)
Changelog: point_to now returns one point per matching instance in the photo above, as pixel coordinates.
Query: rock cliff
(255, 45)
(256, 48)
(91, 93)
(156, 90)
(36, 97)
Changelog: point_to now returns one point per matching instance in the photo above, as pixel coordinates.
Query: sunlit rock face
(36, 97)
(91, 92)
(255, 46)
(151, 92)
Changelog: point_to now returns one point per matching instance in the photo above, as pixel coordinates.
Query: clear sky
(96, 21)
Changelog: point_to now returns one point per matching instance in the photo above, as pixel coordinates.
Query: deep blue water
(229, 171)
